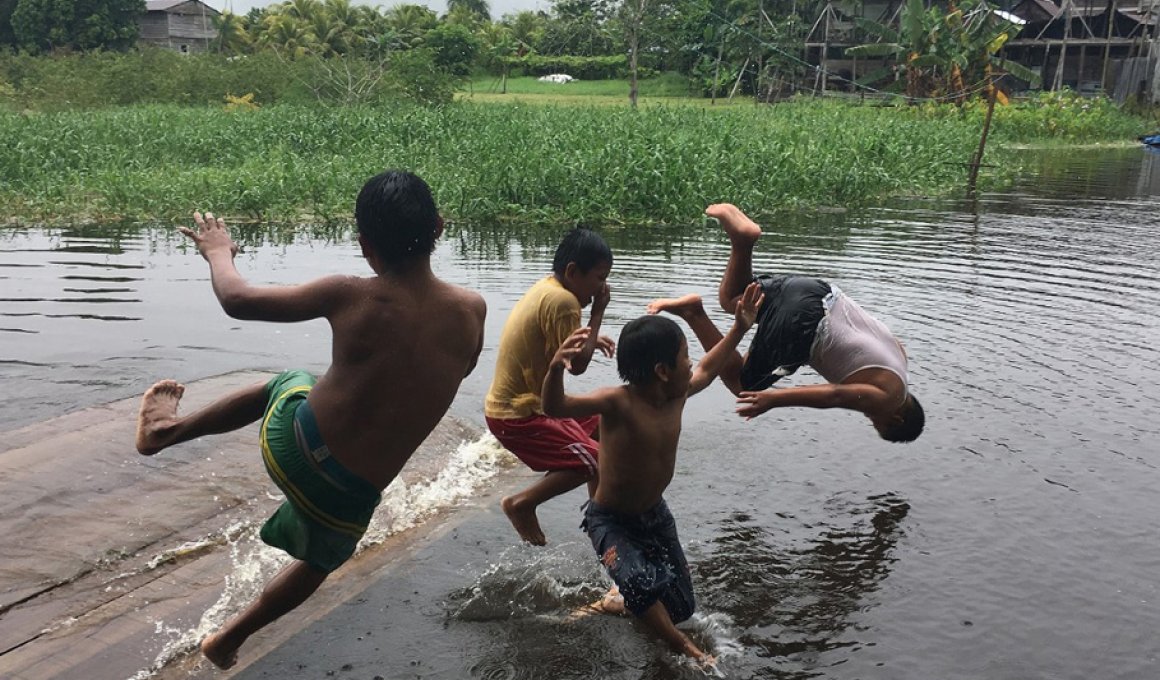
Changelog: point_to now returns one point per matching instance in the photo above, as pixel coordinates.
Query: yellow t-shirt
(539, 323)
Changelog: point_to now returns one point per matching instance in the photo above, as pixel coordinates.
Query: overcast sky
(498, 7)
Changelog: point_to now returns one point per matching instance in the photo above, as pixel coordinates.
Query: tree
(454, 48)
(526, 29)
(477, 7)
(409, 23)
(45, 25)
(232, 37)
(579, 27)
(7, 37)
(633, 13)
(943, 53)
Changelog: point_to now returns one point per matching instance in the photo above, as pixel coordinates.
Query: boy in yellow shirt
(565, 449)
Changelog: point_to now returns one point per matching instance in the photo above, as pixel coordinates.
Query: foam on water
(254, 563)
(552, 585)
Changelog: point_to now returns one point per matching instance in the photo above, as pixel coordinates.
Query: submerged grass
(485, 162)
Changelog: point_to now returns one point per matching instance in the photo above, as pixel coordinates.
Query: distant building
(181, 25)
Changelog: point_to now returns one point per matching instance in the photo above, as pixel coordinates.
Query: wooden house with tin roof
(181, 25)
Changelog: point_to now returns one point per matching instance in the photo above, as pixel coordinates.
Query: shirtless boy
(565, 449)
(403, 341)
(627, 519)
(804, 321)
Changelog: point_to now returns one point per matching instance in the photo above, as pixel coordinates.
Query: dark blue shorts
(643, 556)
(786, 326)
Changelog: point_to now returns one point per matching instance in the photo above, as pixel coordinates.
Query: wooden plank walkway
(110, 555)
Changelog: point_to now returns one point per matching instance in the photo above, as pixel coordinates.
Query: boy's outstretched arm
(579, 363)
(556, 402)
(856, 397)
(238, 298)
(713, 361)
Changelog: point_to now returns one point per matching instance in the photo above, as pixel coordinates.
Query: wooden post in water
(973, 177)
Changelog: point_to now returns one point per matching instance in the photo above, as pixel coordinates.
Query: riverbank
(124, 563)
(501, 162)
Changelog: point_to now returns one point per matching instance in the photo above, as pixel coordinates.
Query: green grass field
(667, 89)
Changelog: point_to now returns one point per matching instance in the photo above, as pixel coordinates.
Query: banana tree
(941, 52)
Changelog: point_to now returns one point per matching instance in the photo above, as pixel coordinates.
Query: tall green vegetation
(148, 76)
(492, 162)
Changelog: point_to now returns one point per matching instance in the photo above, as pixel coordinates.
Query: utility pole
(1058, 80)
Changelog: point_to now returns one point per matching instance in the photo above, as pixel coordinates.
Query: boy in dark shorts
(565, 449)
(334, 444)
(805, 321)
(627, 519)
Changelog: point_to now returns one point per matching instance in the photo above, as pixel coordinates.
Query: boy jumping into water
(804, 321)
(403, 341)
(627, 519)
(565, 449)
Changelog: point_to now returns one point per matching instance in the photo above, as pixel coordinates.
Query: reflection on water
(1016, 538)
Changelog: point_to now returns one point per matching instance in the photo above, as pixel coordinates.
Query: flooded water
(1017, 538)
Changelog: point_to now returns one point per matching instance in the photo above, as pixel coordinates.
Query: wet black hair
(644, 343)
(584, 247)
(396, 214)
(913, 420)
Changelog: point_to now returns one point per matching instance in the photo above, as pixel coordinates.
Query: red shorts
(546, 444)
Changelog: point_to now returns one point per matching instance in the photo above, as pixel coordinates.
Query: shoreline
(122, 562)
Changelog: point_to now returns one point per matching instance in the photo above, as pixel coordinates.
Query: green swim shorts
(327, 507)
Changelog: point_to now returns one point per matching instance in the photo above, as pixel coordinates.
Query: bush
(158, 76)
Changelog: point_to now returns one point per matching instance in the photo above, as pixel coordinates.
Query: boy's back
(402, 345)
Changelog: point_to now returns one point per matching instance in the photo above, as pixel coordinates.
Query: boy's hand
(607, 345)
(211, 235)
(601, 299)
(749, 305)
(753, 404)
(570, 348)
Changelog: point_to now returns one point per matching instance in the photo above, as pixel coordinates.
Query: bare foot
(612, 603)
(707, 664)
(737, 224)
(523, 518)
(218, 653)
(157, 417)
(685, 306)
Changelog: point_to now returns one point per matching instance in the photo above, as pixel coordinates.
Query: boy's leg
(288, 589)
(743, 234)
(690, 308)
(159, 427)
(657, 618)
(520, 508)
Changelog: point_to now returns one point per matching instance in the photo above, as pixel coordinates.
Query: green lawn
(668, 89)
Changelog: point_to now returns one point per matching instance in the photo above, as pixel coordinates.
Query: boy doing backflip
(804, 321)
(640, 425)
(403, 341)
(565, 449)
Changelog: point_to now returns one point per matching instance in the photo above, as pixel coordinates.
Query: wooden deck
(110, 555)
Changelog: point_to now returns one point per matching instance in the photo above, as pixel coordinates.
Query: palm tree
(232, 37)
(288, 35)
(410, 22)
(526, 28)
(477, 7)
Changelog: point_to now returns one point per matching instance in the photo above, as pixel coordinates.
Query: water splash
(254, 563)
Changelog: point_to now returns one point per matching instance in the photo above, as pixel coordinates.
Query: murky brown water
(1016, 539)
